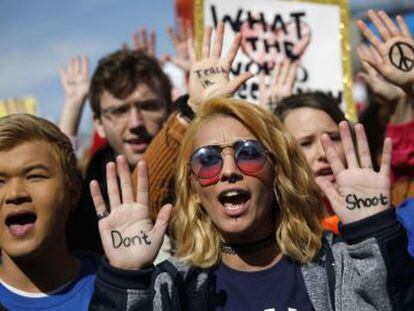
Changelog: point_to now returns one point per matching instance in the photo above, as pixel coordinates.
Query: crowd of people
(207, 202)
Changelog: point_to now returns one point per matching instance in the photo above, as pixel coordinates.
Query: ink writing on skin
(354, 202)
(118, 240)
(210, 71)
(401, 56)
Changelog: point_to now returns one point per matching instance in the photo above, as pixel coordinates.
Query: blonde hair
(299, 230)
(17, 129)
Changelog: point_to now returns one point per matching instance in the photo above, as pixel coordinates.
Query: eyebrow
(36, 167)
(29, 169)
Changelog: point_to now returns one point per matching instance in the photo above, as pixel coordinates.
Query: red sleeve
(402, 136)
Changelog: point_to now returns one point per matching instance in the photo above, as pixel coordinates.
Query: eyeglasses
(207, 162)
(122, 112)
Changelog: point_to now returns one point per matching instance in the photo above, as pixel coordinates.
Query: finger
(369, 35)
(405, 31)
(97, 198)
(373, 53)
(137, 41)
(163, 218)
(218, 40)
(144, 39)
(284, 70)
(181, 29)
(276, 73)
(262, 90)
(189, 29)
(85, 66)
(331, 155)
(125, 179)
(387, 21)
(205, 52)
(235, 84)
(328, 189)
(291, 75)
(63, 76)
(364, 77)
(363, 148)
(152, 48)
(142, 183)
(112, 183)
(369, 69)
(382, 30)
(348, 145)
(172, 36)
(191, 50)
(231, 54)
(71, 69)
(77, 65)
(386, 157)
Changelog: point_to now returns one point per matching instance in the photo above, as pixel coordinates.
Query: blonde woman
(247, 226)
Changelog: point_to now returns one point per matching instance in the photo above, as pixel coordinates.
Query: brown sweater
(161, 157)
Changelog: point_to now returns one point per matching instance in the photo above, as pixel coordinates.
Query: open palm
(396, 48)
(359, 192)
(209, 76)
(129, 238)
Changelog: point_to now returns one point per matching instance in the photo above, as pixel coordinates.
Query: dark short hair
(317, 100)
(120, 72)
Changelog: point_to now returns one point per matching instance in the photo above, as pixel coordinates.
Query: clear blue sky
(37, 37)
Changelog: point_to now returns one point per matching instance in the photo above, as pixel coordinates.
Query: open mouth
(138, 144)
(20, 224)
(324, 172)
(234, 201)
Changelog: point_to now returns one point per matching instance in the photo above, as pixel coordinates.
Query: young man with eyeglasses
(130, 97)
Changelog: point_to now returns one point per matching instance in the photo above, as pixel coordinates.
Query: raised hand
(142, 43)
(209, 76)
(75, 79)
(129, 238)
(360, 192)
(179, 40)
(281, 84)
(396, 48)
(75, 83)
(385, 91)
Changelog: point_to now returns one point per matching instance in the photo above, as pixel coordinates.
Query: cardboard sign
(315, 34)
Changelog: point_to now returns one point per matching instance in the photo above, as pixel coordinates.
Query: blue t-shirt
(75, 296)
(279, 288)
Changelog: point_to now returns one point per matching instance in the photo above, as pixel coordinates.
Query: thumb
(329, 190)
(235, 84)
(163, 219)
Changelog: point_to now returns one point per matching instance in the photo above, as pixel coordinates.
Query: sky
(37, 37)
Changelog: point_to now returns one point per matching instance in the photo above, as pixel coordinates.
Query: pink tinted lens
(250, 156)
(206, 162)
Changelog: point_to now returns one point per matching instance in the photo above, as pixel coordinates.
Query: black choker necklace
(246, 248)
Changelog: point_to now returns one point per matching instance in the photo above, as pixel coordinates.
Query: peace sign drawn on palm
(396, 48)
(129, 238)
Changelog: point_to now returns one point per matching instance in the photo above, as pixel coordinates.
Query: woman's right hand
(129, 238)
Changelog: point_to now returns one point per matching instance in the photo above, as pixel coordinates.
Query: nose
(135, 118)
(230, 171)
(320, 152)
(16, 193)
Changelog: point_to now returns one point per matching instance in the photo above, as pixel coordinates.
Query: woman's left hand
(359, 192)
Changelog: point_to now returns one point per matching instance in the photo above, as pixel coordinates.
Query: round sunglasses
(207, 162)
